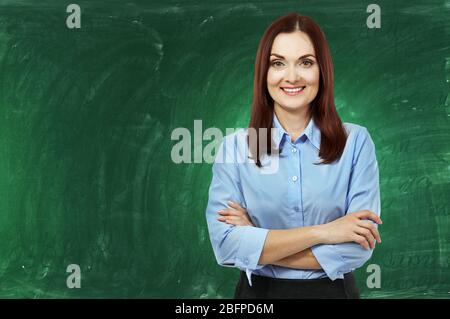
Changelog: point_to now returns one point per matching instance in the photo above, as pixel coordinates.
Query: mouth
(291, 91)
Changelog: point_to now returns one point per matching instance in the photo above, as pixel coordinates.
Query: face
(293, 75)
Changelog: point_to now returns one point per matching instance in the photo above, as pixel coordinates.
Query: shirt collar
(312, 132)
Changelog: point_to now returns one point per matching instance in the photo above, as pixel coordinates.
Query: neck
(294, 123)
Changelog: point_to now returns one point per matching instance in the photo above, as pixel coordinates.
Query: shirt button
(294, 150)
(296, 208)
(294, 178)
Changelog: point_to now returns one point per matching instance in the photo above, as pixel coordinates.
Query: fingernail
(230, 202)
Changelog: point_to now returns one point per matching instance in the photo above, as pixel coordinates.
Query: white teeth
(293, 90)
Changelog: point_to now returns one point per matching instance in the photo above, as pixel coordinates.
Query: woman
(297, 230)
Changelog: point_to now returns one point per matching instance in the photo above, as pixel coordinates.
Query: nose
(293, 74)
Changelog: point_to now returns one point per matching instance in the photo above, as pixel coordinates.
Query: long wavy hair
(322, 109)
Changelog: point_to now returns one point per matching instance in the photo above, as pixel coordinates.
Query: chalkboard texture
(86, 117)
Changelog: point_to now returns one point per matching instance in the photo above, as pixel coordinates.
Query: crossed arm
(291, 247)
(336, 245)
(304, 259)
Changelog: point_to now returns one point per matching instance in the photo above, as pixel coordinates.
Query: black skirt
(323, 288)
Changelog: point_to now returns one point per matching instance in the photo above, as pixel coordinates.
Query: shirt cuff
(250, 249)
(330, 260)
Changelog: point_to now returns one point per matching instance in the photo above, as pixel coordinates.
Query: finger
(368, 235)
(370, 215)
(369, 225)
(226, 220)
(235, 206)
(234, 220)
(229, 212)
(362, 241)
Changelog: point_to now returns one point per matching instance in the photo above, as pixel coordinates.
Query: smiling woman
(302, 229)
(284, 70)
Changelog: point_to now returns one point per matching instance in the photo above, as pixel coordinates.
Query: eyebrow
(303, 56)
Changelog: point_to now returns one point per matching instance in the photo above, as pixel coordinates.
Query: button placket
(295, 180)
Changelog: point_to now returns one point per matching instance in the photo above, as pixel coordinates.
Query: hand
(352, 228)
(235, 215)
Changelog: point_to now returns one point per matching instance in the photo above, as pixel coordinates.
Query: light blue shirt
(298, 193)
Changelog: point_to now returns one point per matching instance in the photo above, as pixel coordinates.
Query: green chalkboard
(86, 117)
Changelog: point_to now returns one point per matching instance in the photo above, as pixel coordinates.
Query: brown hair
(322, 108)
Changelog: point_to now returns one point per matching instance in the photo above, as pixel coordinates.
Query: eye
(308, 63)
(277, 63)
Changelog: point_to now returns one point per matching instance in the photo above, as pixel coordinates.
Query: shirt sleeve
(363, 194)
(233, 246)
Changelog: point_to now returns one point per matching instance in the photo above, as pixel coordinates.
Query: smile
(293, 91)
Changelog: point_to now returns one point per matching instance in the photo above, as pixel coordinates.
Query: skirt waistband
(325, 280)
(269, 287)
